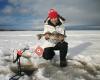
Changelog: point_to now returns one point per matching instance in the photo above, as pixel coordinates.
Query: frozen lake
(82, 42)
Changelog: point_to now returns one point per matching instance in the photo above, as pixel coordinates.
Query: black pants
(49, 53)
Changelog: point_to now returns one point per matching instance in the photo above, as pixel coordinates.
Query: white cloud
(24, 10)
(8, 10)
(6, 20)
(77, 11)
(22, 6)
(11, 20)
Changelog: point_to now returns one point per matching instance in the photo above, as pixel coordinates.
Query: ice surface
(83, 55)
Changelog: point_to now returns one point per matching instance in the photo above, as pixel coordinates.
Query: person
(53, 25)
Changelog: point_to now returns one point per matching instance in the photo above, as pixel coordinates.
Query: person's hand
(47, 36)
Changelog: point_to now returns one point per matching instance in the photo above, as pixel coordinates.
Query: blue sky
(30, 14)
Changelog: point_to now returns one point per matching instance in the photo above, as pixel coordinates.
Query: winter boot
(63, 63)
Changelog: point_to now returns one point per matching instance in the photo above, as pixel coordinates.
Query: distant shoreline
(67, 27)
(42, 30)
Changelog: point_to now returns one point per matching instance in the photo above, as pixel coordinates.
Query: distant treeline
(82, 27)
(19, 30)
(79, 27)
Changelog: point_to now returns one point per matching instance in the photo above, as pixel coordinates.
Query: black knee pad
(48, 53)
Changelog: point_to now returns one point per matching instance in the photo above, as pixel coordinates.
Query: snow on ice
(83, 56)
